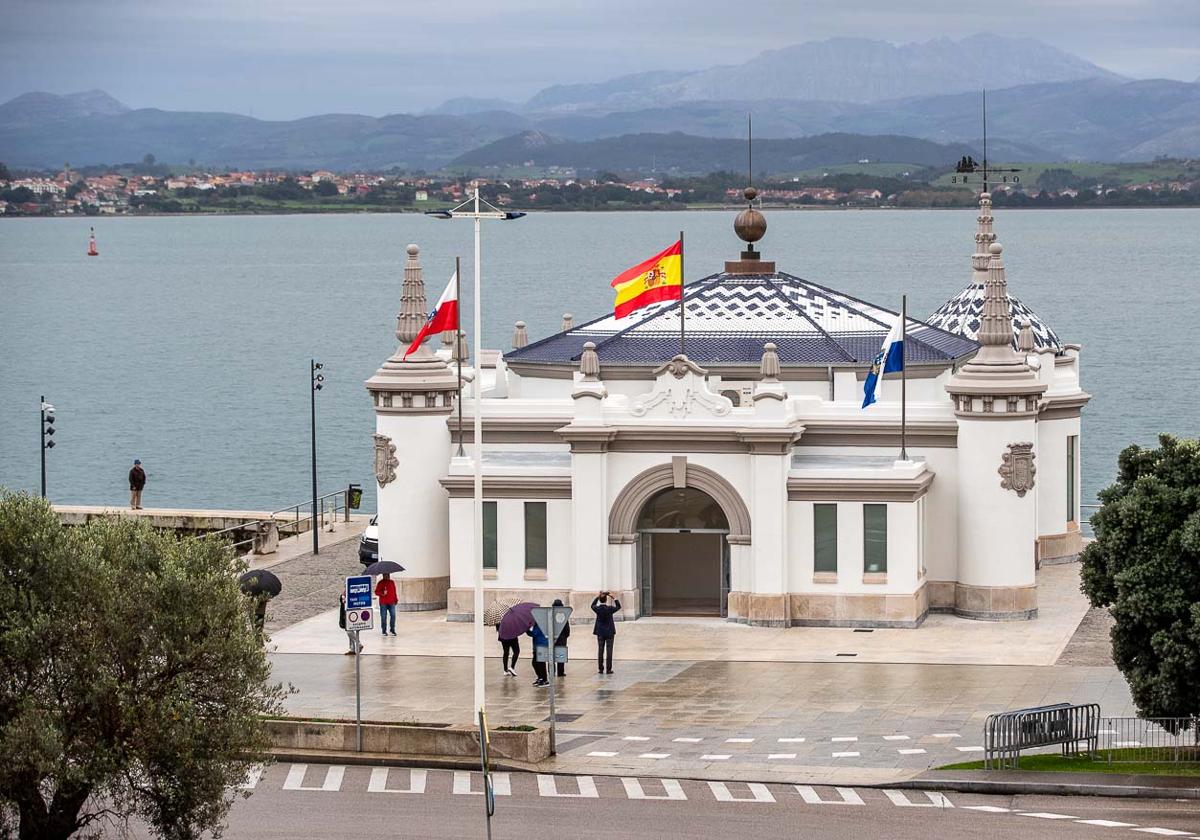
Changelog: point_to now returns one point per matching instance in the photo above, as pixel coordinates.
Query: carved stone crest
(1017, 469)
(681, 390)
(385, 460)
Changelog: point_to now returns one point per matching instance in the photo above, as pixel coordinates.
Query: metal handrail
(331, 511)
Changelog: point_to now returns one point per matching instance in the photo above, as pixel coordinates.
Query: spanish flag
(657, 279)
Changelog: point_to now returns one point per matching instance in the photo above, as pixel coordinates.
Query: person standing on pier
(137, 481)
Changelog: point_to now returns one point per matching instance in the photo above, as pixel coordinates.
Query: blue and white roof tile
(962, 315)
(729, 317)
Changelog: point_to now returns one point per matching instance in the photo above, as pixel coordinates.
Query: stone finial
(568, 322)
(447, 338)
(769, 366)
(461, 352)
(984, 237)
(1025, 338)
(520, 335)
(995, 328)
(589, 362)
(413, 305)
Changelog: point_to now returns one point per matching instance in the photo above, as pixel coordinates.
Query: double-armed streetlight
(47, 427)
(315, 380)
(477, 209)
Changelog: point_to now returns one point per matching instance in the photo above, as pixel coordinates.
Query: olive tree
(1145, 567)
(132, 680)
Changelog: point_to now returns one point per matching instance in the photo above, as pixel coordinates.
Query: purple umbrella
(517, 620)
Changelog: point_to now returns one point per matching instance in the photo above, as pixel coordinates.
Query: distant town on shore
(152, 188)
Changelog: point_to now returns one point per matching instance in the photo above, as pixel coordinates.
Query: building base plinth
(995, 603)
(419, 594)
(1053, 549)
(805, 609)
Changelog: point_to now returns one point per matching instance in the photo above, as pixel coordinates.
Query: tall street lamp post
(477, 209)
(47, 427)
(315, 379)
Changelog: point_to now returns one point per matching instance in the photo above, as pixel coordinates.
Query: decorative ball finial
(520, 335)
(996, 248)
(750, 225)
(413, 250)
(589, 362)
(750, 193)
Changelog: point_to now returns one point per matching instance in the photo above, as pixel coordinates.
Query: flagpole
(478, 490)
(681, 275)
(458, 336)
(903, 377)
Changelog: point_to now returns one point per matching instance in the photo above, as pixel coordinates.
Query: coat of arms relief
(1017, 469)
(385, 460)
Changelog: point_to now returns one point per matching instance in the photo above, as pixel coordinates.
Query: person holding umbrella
(385, 591)
(262, 586)
(539, 668)
(514, 623)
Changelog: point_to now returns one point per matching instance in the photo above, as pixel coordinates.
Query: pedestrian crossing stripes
(331, 779)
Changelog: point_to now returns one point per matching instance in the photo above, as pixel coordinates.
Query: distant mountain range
(1043, 104)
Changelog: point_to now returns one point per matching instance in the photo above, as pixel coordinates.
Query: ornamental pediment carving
(681, 391)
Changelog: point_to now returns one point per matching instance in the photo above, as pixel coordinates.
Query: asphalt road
(320, 801)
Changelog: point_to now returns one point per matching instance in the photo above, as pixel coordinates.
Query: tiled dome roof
(729, 317)
(961, 315)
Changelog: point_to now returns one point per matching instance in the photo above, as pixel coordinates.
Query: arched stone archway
(623, 515)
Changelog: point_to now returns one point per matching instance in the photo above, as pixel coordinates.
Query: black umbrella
(383, 567)
(260, 582)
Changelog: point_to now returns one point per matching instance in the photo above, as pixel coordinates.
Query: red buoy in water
(92, 251)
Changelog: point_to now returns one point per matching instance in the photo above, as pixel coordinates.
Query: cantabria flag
(657, 279)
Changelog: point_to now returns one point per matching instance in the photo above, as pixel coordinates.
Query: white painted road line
(717, 757)
(739, 740)
(379, 780)
(332, 783)
(501, 784)
(846, 755)
(774, 756)
(688, 740)
(990, 809)
(946, 735)
(1042, 816)
(635, 738)
(896, 738)
(790, 740)
(1107, 823)
(758, 793)
(844, 738)
(671, 789)
(548, 786)
(654, 755)
(810, 797)
(1165, 832)
(601, 754)
(936, 800)
(911, 752)
(969, 749)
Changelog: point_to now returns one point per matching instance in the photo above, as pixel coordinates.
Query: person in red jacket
(385, 591)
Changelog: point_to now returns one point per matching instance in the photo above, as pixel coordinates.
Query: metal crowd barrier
(1150, 740)
(1006, 734)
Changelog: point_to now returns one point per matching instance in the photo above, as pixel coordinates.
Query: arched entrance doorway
(683, 554)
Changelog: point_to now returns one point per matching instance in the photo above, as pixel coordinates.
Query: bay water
(187, 342)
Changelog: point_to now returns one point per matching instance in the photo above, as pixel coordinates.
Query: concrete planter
(457, 741)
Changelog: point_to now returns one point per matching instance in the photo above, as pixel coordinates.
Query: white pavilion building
(742, 480)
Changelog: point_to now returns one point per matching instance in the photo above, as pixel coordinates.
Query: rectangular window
(1072, 447)
(875, 538)
(535, 535)
(489, 535)
(825, 538)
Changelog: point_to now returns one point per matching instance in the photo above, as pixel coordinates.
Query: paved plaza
(704, 698)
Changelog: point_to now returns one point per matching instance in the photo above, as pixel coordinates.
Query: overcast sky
(281, 60)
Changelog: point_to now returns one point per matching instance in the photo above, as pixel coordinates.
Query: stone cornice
(509, 487)
(858, 489)
(1061, 408)
(940, 434)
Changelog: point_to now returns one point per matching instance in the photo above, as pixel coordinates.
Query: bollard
(266, 537)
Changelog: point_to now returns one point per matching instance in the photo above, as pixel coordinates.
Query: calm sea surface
(187, 342)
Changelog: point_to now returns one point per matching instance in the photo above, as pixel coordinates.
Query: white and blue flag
(889, 359)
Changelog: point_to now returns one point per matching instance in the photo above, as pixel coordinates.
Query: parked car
(368, 543)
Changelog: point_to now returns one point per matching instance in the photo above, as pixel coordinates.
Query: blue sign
(358, 592)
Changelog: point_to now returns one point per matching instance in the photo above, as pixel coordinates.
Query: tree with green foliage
(325, 189)
(134, 683)
(5, 175)
(1144, 566)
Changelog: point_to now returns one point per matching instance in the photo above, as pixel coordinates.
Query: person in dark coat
(560, 668)
(605, 629)
(539, 668)
(137, 481)
(355, 645)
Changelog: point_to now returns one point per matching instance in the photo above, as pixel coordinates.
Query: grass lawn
(1055, 763)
